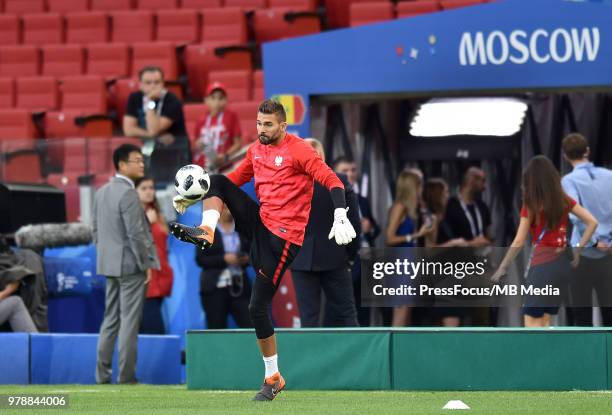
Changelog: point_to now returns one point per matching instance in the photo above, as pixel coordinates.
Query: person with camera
(224, 286)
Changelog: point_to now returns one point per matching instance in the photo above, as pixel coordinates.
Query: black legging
(270, 254)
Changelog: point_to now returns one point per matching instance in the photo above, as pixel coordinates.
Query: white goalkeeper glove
(181, 204)
(342, 230)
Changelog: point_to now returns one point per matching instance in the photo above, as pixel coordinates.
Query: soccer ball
(192, 182)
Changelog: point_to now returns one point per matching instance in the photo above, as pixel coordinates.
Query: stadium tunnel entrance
(357, 89)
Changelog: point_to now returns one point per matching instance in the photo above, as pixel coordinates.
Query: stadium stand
(63, 60)
(453, 4)
(108, 5)
(258, 85)
(202, 58)
(415, 8)
(246, 113)
(24, 6)
(133, 26)
(155, 5)
(68, 6)
(43, 29)
(225, 25)
(19, 61)
(16, 124)
(282, 23)
(365, 13)
(87, 27)
(201, 4)
(238, 84)
(7, 93)
(162, 54)
(10, 29)
(295, 5)
(111, 60)
(37, 93)
(180, 26)
(247, 5)
(192, 112)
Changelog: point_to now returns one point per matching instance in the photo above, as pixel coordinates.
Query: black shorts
(270, 254)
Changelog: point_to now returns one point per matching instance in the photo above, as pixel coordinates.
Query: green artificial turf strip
(175, 400)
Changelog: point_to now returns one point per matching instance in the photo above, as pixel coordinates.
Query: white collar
(130, 181)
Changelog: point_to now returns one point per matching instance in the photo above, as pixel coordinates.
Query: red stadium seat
(338, 11)
(19, 61)
(37, 93)
(7, 93)
(68, 6)
(112, 5)
(61, 124)
(10, 29)
(180, 26)
(275, 24)
(295, 5)
(157, 4)
(162, 54)
(133, 26)
(22, 166)
(203, 58)
(85, 93)
(238, 84)
(63, 60)
(247, 4)
(24, 6)
(415, 8)
(454, 4)
(111, 60)
(121, 91)
(226, 25)
(192, 113)
(87, 27)
(43, 29)
(258, 85)
(16, 124)
(201, 4)
(247, 113)
(366, 13)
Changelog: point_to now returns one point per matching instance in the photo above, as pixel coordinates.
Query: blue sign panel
(514, 44)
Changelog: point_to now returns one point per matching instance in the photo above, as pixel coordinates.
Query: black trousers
(152, 321)
(270, 254)
(337, 285)
(219, 304)
(592, 274)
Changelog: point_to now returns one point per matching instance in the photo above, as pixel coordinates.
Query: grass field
(175, 400)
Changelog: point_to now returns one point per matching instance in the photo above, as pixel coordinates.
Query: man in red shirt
(284, 168)
(217, 134)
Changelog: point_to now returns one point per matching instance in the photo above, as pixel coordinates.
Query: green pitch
(175, 400)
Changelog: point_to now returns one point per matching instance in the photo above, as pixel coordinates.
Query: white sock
(271, 365)
(210, 218)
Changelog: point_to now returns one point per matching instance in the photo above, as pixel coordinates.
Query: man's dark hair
(122, 153)
(270, 106)
(575, 146)
(150, 68)
(342, 159)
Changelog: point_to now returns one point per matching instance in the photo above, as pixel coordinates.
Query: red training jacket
(284, 183)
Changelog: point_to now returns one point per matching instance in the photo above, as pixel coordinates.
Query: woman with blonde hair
(402, 226)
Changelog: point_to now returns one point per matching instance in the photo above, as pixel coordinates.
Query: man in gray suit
(125, 255)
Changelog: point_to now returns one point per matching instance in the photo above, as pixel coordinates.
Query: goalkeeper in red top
(284, 167)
